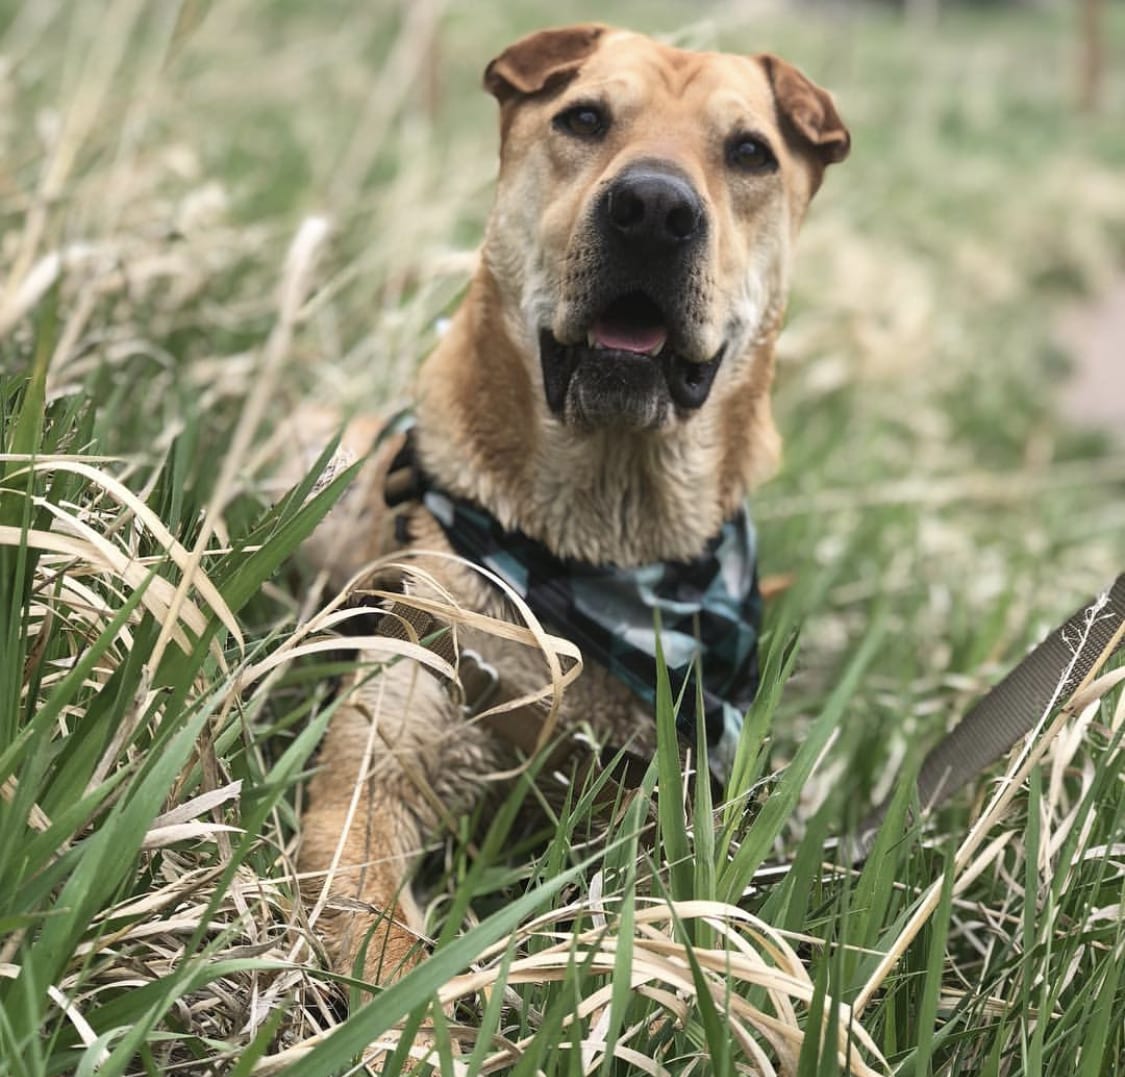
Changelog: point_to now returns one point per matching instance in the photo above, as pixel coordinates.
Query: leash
(1053, 672)
(1062, 664)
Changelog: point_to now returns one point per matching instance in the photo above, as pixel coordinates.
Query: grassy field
(210, 212)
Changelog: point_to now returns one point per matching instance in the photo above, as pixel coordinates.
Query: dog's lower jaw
(591, 392)
(592, 387)
(592, 408)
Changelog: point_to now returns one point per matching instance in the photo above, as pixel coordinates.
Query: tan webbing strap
(400, 486)
(405, 622)
(1070, 656)
(521, 726)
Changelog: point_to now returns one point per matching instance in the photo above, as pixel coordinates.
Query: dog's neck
(609, 496)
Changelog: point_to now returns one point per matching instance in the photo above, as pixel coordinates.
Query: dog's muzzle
(633, 362)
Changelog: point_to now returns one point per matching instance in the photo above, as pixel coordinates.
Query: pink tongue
(626, 339)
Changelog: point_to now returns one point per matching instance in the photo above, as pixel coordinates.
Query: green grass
(167, 292)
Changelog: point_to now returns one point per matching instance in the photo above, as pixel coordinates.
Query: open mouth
(629, 367)
(633, 323)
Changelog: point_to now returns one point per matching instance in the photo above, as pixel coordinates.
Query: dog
(600, 400)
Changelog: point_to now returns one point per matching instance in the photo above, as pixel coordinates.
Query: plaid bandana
(709, 612)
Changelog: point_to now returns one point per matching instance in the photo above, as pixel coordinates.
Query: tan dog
(603, 388)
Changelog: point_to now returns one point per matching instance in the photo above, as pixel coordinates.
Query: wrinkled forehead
(636, 73)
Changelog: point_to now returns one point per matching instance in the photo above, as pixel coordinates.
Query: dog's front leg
(398, 756)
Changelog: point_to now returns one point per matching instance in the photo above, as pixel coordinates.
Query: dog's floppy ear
(808, 115)
(540, 61)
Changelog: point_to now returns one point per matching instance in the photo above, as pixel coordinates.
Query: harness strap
(406, 622)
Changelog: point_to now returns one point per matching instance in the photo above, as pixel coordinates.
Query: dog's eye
(750, 154)
(584, 121)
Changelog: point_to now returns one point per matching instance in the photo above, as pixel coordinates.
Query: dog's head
(647, 202)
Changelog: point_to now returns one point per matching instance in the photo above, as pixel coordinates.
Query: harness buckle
(480, 683)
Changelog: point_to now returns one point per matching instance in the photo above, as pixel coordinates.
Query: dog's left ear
(540, 61)
(808, 115)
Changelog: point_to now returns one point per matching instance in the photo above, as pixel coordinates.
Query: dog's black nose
(653, 208)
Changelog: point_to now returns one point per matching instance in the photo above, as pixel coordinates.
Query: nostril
(681, 221)
(626, 209)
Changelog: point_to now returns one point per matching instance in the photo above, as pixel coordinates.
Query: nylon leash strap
(1048, 675)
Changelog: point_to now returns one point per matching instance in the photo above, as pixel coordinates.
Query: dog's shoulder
(359, 528)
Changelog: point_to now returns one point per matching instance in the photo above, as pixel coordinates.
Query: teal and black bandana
(709, 611)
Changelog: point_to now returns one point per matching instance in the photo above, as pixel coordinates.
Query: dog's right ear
(540, 61)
